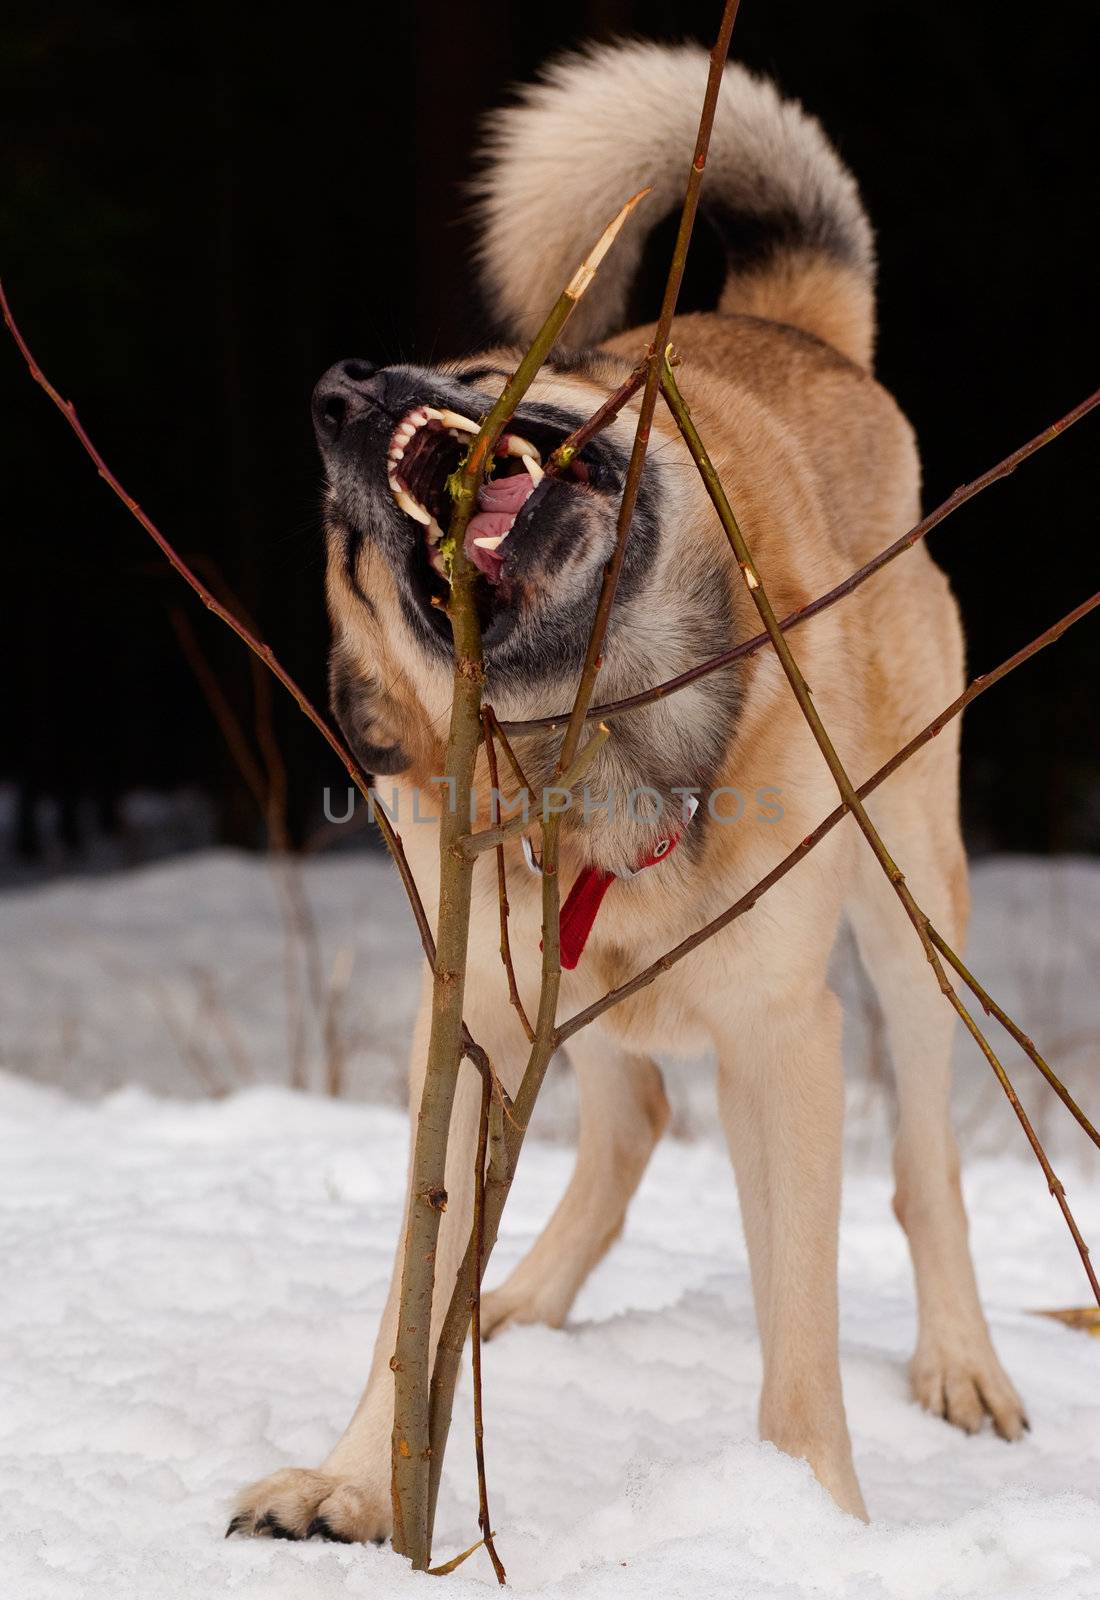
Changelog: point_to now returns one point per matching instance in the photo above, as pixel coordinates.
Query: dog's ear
(366, 716)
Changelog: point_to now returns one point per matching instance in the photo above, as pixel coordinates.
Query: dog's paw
(298, 1504)
(966, 1386)
(507, 1307)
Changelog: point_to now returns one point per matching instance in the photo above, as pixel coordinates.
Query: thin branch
(427, 1180)
(475, 1324)
(502, 876)
(513, 759)
(848, 794)
(600, 419)
(445, 1568)
(748, 647)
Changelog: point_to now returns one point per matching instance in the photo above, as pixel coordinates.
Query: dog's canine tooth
(490, 541)
(455, 419)
(412, 507)
(535, 471)
(513, 444)
(434, 533)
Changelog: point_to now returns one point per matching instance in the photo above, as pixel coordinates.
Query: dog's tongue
(498, 504)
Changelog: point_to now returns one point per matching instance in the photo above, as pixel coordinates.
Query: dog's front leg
(781, 1095)
(348, 1497)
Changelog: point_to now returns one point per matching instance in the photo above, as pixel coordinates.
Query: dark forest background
(206, 206)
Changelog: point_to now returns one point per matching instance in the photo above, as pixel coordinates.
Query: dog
(822, 470)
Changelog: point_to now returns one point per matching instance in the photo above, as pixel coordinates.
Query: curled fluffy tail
(603, 123)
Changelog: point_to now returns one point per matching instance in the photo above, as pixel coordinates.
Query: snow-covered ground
(191, 1285)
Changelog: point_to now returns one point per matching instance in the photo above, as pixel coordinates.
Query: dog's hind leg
(781, 1096)
(623, 1112)
(955, 1372)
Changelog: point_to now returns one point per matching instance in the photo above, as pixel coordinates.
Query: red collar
(586, 896)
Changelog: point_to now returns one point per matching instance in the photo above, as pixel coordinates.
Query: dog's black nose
(343, 394)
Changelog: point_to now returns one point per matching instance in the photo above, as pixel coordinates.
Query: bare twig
(502, 877)
(427, 1184)
(1086, 1318)
(601, 418)
(445, 1568)
(475, 1326)
(513, 759)
(748, 647)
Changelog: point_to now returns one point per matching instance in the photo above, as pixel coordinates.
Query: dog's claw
(235, 1525)
(321, 1528)
(274, 1527)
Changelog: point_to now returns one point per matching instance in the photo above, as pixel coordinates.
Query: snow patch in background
(174, 976)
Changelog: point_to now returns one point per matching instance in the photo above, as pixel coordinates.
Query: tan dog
(822, 470)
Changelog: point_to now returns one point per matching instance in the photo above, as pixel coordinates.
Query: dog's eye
(478, 374)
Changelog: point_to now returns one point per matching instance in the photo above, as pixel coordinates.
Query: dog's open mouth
(426, 448)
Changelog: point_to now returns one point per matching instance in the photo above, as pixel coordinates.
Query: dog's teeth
(450, 419)
(409, 505)
(513, 445)
(490, 542)
(454, 419)
(534, 469)
(396, 453)
(434, 533)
